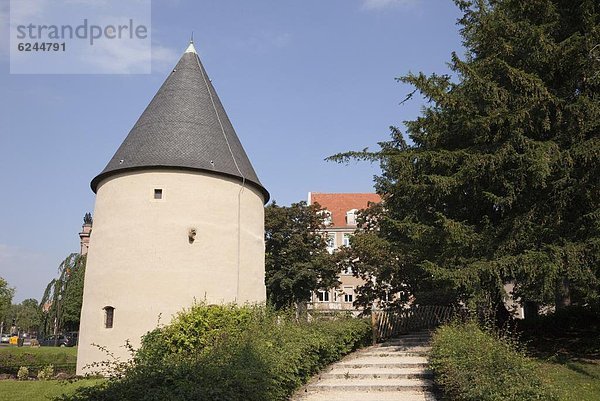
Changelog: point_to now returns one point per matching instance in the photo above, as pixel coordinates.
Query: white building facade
(341, 210)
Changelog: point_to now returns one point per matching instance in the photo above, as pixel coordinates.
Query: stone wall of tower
(203, 240)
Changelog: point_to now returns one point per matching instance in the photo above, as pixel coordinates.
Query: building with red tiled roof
(341, 211)
(342, 206)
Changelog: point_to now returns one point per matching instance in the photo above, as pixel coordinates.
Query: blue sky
(300, 80)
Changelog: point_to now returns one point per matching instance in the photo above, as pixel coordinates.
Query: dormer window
(351, 217)
(326, 216)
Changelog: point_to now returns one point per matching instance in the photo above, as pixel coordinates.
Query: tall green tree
(6, 296)
(296, 262)
(63, 297)
(27, 315)
(73, 295)
(501, 179)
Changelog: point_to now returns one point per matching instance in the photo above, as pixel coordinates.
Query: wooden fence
(390, 323)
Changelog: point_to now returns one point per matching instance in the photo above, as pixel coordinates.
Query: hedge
(247, 353)
(471, 364)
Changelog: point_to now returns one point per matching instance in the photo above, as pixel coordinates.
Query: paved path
(395, 370)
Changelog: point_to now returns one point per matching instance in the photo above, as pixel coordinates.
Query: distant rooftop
(338, 204)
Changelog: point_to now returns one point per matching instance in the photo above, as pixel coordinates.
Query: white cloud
(129, 57)
(383, 4)
(164, 57)
(116, 55)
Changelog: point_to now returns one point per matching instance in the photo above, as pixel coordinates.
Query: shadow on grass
(569, 334)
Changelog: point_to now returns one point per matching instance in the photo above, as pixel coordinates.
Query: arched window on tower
(109, 317)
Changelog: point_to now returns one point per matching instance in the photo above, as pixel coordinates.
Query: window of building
(323, 296)
(346, 240)
(158, 193)
(351, 217)
(347, 271)
(330, 242)
(109, 316)
(348, 294)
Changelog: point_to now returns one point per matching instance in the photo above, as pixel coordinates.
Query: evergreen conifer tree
(501, 182)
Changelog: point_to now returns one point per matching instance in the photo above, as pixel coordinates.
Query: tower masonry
(179, 217)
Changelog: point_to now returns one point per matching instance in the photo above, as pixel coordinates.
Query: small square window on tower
(158, 193)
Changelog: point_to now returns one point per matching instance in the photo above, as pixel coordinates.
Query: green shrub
(46, 373)
(203, 326)
(236, 353)
(63, 358)
(471, 364)
(23, 373)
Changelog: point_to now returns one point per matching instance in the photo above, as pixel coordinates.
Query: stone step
(411, 337)
(402, 344)
(392, 359)
(395, 365)
(393, 370)
(400, 353)
(393, 350)
(377, 375)
(335, 395)
(407, 341)
(372, 384)
(376, 371)
(416, 334)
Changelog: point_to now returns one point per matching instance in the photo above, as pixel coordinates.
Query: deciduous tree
(62, 299)
(27, 315)
(6, 295)
(297, 262)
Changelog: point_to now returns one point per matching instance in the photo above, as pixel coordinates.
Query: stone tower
(178, 217)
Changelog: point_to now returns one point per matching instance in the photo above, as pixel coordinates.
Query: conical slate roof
(184, 127)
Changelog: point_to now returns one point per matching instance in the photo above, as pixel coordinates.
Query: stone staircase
(394, 370)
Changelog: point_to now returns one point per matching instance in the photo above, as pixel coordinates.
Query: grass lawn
(63, 358)
(567, 344)
(11, 390)
(573, 379)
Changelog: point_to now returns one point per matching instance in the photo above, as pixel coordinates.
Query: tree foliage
(297, 262)
(389, 279)
(501, 180)
(6, 295)
(26, 315)
(62, 299)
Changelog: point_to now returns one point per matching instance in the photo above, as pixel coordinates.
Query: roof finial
(191, 48)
